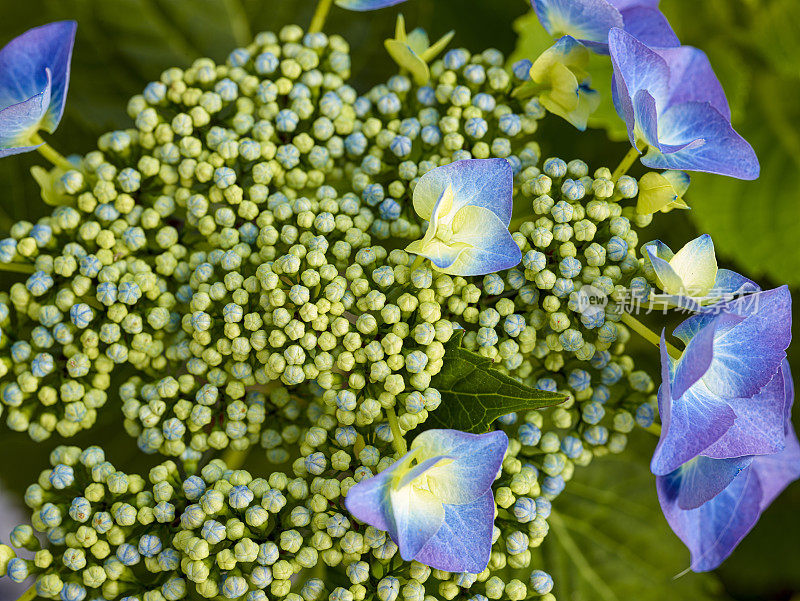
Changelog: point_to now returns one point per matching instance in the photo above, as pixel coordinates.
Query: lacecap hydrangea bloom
(34, 77)
(468, 207)
(436, 501)
(230, 268)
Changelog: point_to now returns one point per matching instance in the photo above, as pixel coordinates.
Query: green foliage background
(608, 538)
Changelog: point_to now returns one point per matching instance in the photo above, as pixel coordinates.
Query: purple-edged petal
(369, 500)
(24, 63)
(730, 282)
(695, 136)
(487, 183)
(701, 479)
(362, 5)
(694, 362)
(776, 472)
(713, 530)
(621, 5)
(689, 424)
(692, 79)
(586, 20)
(464, 542)
(636, 67)
(748, 352)
(759, 427)
(475, 461)
(649, 25)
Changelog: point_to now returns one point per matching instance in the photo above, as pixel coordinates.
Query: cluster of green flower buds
(237, 250)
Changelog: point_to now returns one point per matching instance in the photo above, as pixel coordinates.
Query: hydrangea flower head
(468, 205)
(712, 504)
(662, 191)
(589, 21)
(561, 70)
(726, 396)
(34, 77)
(676, 110)
(436, 501)
(363, 5)
(413, 51)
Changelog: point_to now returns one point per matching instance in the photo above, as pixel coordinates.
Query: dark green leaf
(474, 394)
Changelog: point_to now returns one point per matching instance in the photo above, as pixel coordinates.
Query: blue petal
(586, 20)
(649, 25)
(484, 242)
(487, 183)
(692, 79)
(476, 459)
(702, 479)
(749, 351)
(689, 424)
(694, 136)
(417, 516)
(714, 529)
(694, 362)
(464, 542)
(368, 500)
(636, 67)
(23, 65)
(776, 472)
(760, 423)
(730, 282)
(19, 121)
(362, 5)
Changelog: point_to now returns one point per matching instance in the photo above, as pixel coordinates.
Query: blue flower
(712, 504)
(34, 77)
(436, 501)
(692, 272)
(468, 204)
(676, 110)
(725, 396)
(589, 21)
(561, 71)
(362, 5)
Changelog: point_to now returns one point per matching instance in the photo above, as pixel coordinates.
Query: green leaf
(474, 394)
(608, 540)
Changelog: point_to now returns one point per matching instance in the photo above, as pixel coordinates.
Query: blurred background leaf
(754, 46)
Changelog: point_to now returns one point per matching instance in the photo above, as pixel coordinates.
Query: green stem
(28, 595)
(18, 267)
(627, 161)
(648, 334)
(417, 262)
(318, 20)
(51, 154)
(654, 429)
(398, 442)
